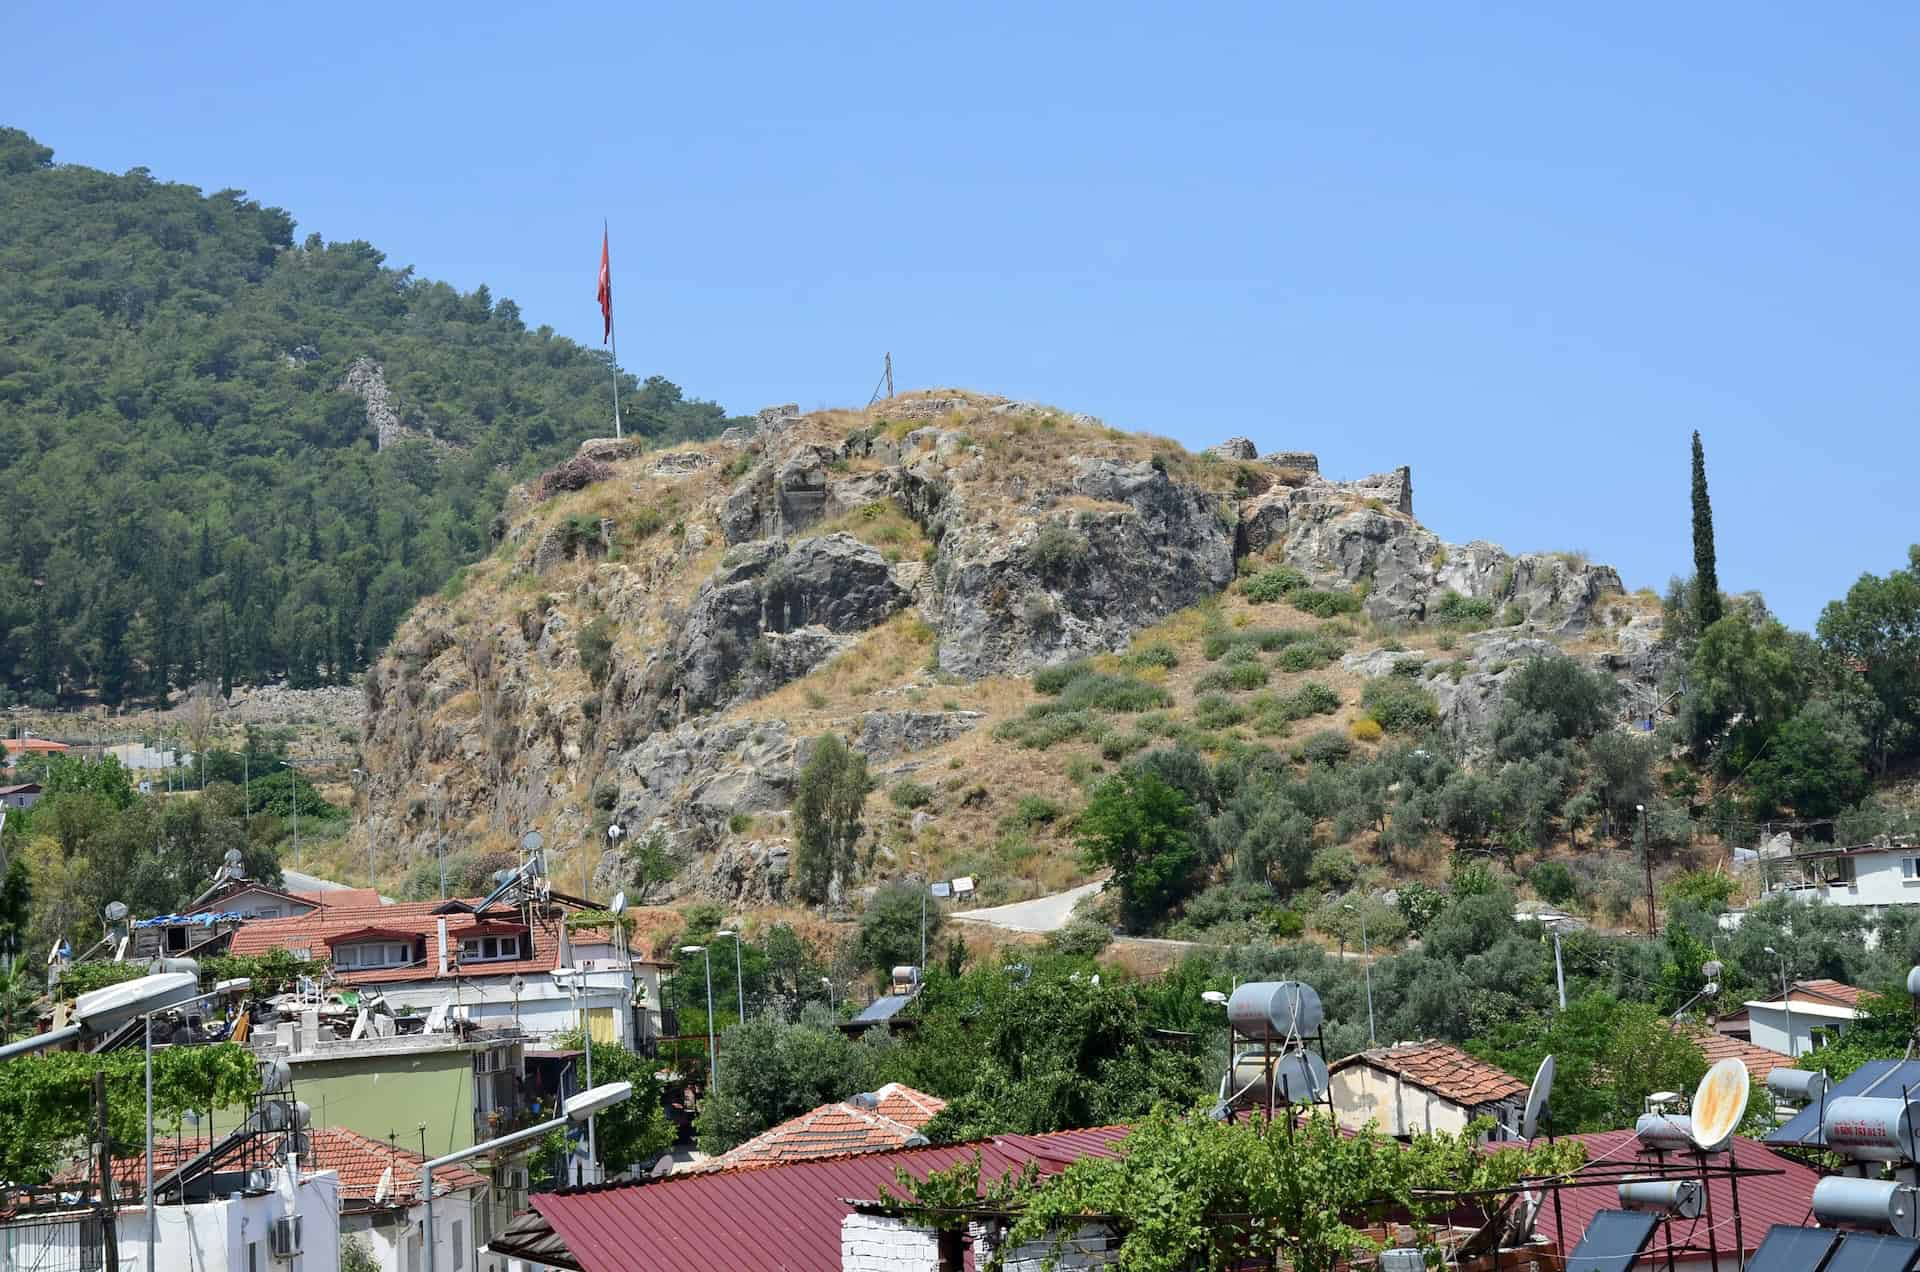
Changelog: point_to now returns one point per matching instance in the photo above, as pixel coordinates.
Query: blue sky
(1525, 252)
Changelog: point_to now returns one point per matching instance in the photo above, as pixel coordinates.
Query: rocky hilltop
(659, 636)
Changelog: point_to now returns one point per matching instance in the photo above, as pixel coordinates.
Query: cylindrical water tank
(1869, 1128)
(1913, 982)
(1670, 1131)
(1680, 1197)
(1402, 1261)
(1274, 1010)
(1882, 1204)
(1263, 1077)
(907, 973)
(1804, 1085)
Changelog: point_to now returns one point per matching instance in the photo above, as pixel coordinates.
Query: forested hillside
(191, 483)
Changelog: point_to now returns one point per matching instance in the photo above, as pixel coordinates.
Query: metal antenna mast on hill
(886, 382)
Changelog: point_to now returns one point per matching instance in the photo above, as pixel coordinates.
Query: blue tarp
(192, 920)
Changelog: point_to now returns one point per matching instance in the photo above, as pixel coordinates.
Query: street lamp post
(739, 984)
(233, 986)
(713, 1055)
(580, 1108)
(1646, 863)
(1218, 999)
(570, 977)
(1786, 995)
(1366, 954)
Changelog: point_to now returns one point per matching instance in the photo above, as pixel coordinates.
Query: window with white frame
(366, 954)
(489, 949)
(1910, 869)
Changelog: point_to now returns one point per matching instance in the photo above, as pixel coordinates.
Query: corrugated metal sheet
(772, 1219)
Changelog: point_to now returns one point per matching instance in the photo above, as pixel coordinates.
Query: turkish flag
(606, 289)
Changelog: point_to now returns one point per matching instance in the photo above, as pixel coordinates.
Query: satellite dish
(531, 841)
(383, 1189)
(53, 955)
(516, 985)
(614, 831)
(234, 857)
(619, 905)
(116, 911)
(276, 1076)
(1537, 1097)
(1719, 1102)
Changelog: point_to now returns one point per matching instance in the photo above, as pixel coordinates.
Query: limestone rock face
(1235, 448)
(1057, 587)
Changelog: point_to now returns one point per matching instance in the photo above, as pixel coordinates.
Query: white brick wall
(882, 1243)
(1091, 1247)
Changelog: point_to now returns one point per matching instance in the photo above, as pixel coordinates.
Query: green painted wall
(381, 1096)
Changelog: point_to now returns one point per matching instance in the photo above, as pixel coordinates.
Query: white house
(1811, 1014)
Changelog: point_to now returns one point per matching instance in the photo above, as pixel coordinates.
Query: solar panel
(1871, 1252)
(1613, 1241)
(1875, 1077)
(1791, 1249)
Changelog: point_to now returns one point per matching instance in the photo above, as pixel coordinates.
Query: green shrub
(1334, 868)
(1399, 705)
(1214, 711)
(1708, 889)
(910, 795)
(1308, 655)
(595, 643)
(1082, 938)
(1326, 746)
(1325, 604)
(1455, 610)
(1034, 810)
(1274, 583)
(1554, 882)
(1365, 729)
(1313, 698)
(1514, 615)
(1051, 680)
(1154, 654)
(1057, 549)
(740, 823)
(1409, 668)
(1118, 746)
(1234, 677)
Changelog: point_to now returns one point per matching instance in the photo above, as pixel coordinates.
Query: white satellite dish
(614, 831)
(1719, 1102)
(531, 841)
(619, 905)
(383, 1189)
(53, 955)
(1537, 1097)
(116, 911)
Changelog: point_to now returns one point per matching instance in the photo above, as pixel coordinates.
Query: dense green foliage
(188, 493)
(635, 1131)
(770, 1072)
(892, 924)
(1706, 596)
(1137, 826)
(46, 1101)
(827, 802)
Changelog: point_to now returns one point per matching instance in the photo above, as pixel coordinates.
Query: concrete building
(1875, 875)
(451, 1089)
(1810, 1015)
(23, 796)
(496, 966)
(1422, 1086)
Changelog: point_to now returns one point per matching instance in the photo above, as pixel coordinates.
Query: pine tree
(1706, 578)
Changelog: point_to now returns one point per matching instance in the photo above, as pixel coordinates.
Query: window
(459, 1245)
(1910, 869)
(489, 949)
(253, 1256)
(373, 954)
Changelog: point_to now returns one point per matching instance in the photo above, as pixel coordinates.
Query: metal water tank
(1672, 1132)
(1403, 1260)
(1804, 1085)
(1869, 1128)
(1881, 1204)
(1290, 1077)
(1682, 1197)
(1275, 1010)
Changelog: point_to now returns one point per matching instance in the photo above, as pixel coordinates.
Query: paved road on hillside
(296, 881)
(1042, 914)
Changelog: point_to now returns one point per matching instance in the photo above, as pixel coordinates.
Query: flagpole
(613, 340)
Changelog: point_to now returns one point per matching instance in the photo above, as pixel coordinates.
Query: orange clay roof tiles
(360, 1162)
(1443, 1069)
(833, 1129)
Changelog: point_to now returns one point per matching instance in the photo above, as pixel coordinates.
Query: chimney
(443, 945)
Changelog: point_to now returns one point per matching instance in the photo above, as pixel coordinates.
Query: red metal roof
(1443, 1069)
(1764, 1200)
(783, 1218)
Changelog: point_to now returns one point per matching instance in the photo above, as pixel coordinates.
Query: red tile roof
(317, 931)
(15, 746)
(1833, 991)
(776, 1219)
(360, 1162)
(1718, 1046)
(835, 1129)
(1443, 1069)
(1764, 1199)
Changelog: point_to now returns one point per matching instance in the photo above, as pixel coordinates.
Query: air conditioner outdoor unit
(283, 1237)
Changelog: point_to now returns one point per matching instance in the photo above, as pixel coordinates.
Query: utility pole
(103, 1150)
(1646, 861)
(1559, 972)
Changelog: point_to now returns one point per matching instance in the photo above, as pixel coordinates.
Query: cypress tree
(1706, 578)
